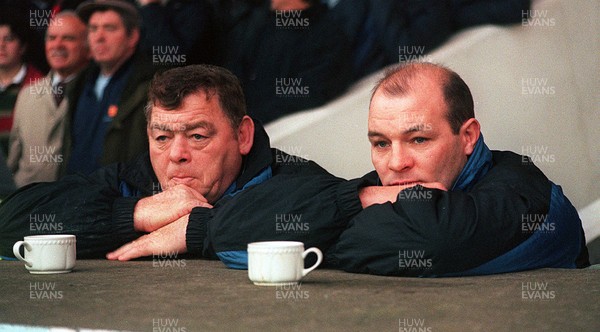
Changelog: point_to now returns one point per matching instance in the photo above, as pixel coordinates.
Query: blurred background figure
(107, 107)
(384, 32)
(289, 55)
(40, 121)
(179, 32)
(15, 71)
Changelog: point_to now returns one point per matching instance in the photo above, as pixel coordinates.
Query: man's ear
(134, 38)
(469, 133)
(245, 133)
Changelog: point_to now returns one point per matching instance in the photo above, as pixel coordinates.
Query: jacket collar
(478, 164)
(258, 159)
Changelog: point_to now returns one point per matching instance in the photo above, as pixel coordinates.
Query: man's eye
(161, 138)
(380, 144)
(420, 140)
(198, 137)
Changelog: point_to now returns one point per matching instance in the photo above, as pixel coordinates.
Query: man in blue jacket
(439, 201)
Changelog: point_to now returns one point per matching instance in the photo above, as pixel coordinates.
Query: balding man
(439, 201)
(40, 122)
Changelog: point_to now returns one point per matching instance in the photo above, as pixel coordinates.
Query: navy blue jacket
(502, 215)
(276, 197)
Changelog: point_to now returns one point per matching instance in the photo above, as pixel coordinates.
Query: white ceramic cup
(47, 254)
(275, 263)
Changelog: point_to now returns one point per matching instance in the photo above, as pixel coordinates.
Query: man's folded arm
(90, 207)
(311, 209)
(432, 232)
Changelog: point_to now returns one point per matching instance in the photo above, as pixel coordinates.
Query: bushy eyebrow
(182, 126)
(414, 128)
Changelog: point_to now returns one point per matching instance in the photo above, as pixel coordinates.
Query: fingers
(181, 192)
(131, 250)
(166, 239)
(154, 212)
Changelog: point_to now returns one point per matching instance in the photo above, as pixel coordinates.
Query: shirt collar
(17, 79)
(56, 78)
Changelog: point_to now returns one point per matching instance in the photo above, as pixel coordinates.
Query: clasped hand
(165, 217)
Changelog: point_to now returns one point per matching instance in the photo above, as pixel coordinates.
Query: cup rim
(45, 237)
(276, 244)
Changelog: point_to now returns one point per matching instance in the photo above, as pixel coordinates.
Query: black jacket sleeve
(430, 232)
(90, 207)
(311, 208)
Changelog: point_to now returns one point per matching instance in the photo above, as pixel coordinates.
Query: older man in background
(40, 121)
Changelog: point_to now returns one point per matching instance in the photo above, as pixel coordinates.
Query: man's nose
(96, 35)
(400, 159)
(179, 149)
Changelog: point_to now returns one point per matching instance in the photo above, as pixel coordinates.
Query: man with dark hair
(209, 185)
(15, 72)
(439, 201)
(107, 105)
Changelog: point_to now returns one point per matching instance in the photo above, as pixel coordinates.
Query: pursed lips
(181, 178)
(405, 183)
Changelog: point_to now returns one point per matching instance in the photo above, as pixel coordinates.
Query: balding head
(413, 76)
(67, 51)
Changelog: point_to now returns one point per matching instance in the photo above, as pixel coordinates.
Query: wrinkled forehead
(193, 108)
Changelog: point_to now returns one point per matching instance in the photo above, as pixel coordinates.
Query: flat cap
(126, 9)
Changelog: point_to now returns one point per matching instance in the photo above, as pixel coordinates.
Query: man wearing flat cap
(108, 123)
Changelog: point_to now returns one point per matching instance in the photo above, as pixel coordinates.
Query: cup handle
(319, 259)
(16, 248)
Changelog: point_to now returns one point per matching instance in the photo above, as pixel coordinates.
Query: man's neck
(8, 73)
(63, 74)
(112, 68)
(292, 6)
